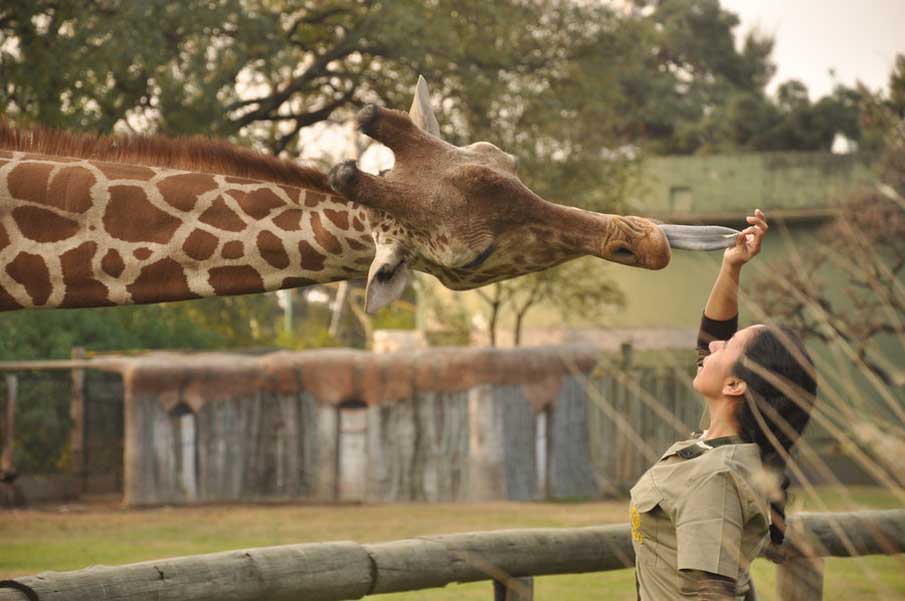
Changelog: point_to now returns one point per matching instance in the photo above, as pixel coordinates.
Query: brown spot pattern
(28, 181)
(142, 253)
(297, 282)
(7, 302)
(125, 171)
(70, 189)
(355, 245)
(222, 217)
(82, 290)
(200, 245)
(233, 250)
(326, 240)
(311, 259)
(163, 280)
(292, 193)
(42, 225)
(4, 237)
(130, 216)
(290, 220)
(271, 248)
(235, 280)
(312, 199)
(339, 218)
(31, 271)
(257, 204)
(357, 224)
(182, 191)
(112, 263)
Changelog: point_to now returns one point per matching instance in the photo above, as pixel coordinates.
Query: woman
(704, 511)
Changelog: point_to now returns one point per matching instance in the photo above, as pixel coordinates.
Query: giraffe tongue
(699, 237)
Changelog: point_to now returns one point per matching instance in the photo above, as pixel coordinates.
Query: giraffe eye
(480, 258)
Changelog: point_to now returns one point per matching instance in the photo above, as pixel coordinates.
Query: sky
(858, 39)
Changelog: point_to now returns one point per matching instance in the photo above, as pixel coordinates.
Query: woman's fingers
(758, 221)
(759, 213)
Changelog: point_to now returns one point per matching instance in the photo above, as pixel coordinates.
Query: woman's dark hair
(781, 389)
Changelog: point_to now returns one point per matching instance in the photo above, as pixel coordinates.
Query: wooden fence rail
(345, 570)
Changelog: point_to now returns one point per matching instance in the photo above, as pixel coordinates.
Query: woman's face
(715, 374)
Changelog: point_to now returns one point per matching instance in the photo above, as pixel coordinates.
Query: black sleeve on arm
(713, 329)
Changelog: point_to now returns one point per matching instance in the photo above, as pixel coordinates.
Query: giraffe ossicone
(89, 221)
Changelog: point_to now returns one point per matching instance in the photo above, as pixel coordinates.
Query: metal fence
(61, 422)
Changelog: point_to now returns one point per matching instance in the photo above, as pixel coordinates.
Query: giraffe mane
(194, 153)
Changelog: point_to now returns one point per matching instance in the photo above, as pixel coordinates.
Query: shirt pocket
(646, 520)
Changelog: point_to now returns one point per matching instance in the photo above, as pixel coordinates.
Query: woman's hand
(748, 241)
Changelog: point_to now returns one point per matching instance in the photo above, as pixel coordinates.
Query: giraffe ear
(421, 112)
(388, 276)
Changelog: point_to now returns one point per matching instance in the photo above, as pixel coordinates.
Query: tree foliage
(576, 288)
(527, 75)
(52, 334)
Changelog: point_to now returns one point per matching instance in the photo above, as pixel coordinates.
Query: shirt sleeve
(713, 329)
(709, 524)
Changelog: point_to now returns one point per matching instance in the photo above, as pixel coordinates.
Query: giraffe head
(463, 215)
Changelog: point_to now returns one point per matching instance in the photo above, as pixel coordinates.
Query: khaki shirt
(698, 508)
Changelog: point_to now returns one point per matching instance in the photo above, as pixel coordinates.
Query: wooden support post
(7, 468)
(800, 579)
(77, 416)
(514, 589)
(628, 353)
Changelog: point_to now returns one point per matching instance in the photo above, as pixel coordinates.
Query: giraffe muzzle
(699, 237)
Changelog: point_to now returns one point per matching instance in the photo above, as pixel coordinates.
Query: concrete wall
(739, 182)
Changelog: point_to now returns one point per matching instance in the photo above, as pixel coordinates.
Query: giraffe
(91, 221)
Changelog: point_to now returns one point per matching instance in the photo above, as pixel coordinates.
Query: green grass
(76, 536)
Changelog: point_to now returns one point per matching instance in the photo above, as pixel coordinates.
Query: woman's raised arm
(720, 320)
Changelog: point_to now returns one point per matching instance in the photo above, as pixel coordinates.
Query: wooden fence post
(77, 415)
(628, 355)
(7, 468)
(800, 579)
(514, 589)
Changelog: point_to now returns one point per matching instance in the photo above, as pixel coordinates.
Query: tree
(881, 114)
(575, 288)
(257, 71)
(53, 334)
(687, 67)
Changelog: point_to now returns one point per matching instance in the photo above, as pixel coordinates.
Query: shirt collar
(695, 447)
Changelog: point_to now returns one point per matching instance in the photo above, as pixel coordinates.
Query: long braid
(774, 362)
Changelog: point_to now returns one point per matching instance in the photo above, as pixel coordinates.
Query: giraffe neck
(86, 233)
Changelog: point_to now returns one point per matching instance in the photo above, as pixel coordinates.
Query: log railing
(346, 570)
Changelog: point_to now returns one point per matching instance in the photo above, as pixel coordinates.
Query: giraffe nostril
(623, 254)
